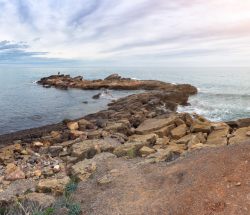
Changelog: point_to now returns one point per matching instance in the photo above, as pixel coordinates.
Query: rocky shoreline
(140, 129)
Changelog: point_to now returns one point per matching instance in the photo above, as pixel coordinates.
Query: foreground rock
(202, 183)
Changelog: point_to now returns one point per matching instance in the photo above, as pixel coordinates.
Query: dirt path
(206, 182)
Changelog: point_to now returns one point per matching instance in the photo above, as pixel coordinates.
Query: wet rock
(243, 122)
(154, 124)
(53, 185)
(97, 96)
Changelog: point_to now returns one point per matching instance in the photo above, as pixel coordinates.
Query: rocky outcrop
(113, 82)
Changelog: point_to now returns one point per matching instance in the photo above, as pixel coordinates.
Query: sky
(125, 32)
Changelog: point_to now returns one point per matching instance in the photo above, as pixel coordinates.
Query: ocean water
(224, 93)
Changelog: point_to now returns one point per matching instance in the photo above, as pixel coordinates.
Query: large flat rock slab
(240, 136)
(151, 125)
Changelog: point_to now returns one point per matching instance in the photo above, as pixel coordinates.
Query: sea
(224, 93)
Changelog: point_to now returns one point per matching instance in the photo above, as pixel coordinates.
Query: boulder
(119, 127)
(192, 139)
(42, 199)
(162, 141)
(83, 169)
(144, 151)
(16, 188)
(179, 131)
(154, 124)
(55, 150)
(169, 154)
(198, 126)
(219, 135)
(88, 148)
(184, 140)
(52, 185)
(38, 144)
(113, 77)
(13, 173)
(243, 122)
(72, 125)
(240, 136)
(84, 149)
(128, 149)
(179, 121)
(165, 131)
(94, 134)
(148, 139)
(199, 146)
(188, 119)
(75, 134)
(85, 124)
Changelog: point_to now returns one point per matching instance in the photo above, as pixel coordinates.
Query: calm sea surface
(224, 93)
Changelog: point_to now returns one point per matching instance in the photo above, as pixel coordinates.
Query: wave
(224, 94)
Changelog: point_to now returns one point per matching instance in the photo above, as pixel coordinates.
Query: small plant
(27, 207)
(70, 188)
(74, 209)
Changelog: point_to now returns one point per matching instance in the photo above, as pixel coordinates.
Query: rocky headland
(139, 156)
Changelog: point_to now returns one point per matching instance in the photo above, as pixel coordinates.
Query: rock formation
(134, 139)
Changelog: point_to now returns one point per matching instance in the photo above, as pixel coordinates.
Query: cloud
(197, 31)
